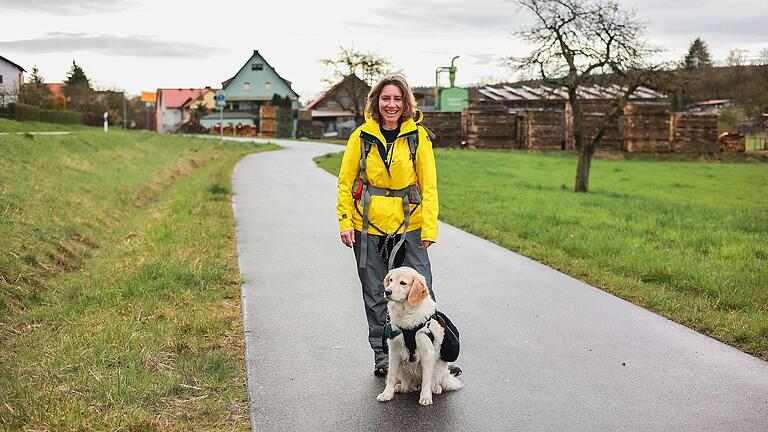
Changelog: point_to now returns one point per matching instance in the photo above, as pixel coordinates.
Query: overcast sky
(142, 45)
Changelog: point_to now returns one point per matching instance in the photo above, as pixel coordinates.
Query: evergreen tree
(698, 55)
(77, 88)
(76, 75)
(35, 91)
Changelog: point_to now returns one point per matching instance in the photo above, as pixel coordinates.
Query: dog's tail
(450, 382)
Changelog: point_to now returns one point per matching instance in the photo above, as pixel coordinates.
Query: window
(1, 79)
(267, 85)
(257, 66)
(247, 86)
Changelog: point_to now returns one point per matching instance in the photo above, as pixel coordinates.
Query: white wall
(10, 86)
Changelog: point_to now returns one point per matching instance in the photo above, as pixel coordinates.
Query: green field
(119, 286)
(688, 240)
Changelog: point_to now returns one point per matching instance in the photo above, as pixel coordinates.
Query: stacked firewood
(544, 130)
(732, 142)
(647, 128)
(446, 126)
(490, 126)
(267, 121)
(694, 133)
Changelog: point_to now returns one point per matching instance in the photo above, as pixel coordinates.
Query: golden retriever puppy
(415, 338)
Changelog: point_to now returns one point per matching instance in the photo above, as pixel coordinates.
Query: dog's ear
(418, 290)
(386, 278)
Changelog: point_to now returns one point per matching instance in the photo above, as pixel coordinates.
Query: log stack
(490, 126)
(647, 128)
(267, 121)
(613, 138)
(544, 130)
(446, 126)
(732, 142)
(694, 133)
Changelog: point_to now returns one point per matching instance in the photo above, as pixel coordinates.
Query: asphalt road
(541, 351)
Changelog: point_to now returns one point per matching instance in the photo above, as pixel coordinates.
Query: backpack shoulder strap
(365, 148)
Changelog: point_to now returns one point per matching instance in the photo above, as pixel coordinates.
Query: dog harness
(449, 349)
(409, 335)
(363, 191)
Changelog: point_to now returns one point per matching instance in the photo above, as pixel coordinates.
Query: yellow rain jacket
(387, 212)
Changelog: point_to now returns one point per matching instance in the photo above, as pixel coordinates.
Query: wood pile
(267, 121)
(543, 130)
(245, 130)
(446, 126)
(647, 128)
(733, 142)
(694, 133)
(490, 126)
(613, 138)
(268, 112)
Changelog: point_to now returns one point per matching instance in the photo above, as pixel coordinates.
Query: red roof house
(169, 110)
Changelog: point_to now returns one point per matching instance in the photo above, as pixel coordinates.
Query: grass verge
(7, 125)
(120, 284)
(686, 240)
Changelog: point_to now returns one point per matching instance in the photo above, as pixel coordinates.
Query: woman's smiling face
(390, 105)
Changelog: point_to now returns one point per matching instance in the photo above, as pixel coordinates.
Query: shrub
(61, 117)
(23, 112)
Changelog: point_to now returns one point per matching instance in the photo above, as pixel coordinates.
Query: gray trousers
(372, 280)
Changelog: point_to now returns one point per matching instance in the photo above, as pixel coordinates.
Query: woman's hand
(348, 237)
(427, 244)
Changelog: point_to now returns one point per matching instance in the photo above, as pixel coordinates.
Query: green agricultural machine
(451, 99)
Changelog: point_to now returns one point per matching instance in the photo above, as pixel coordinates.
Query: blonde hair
(409, 100)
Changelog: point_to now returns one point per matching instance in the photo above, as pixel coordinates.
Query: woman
(396, 192)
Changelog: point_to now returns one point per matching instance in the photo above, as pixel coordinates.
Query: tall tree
(736, 57)
(77, 88)
(575, 40)
(352, 73)
(698, 55)
(35, 91)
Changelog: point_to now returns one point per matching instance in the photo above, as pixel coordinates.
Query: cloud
(68, 7)
(133, 46)
(451, 16)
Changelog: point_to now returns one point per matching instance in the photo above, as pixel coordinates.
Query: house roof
(256, 52)
(332, 90)
(712, 102)
(55, 88)
(526, 93)
(192, 99)
(175, 98)
(12, 64)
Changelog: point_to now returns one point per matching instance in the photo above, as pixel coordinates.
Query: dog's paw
(425, 400)
(399, 388)
(437, 388)
(385, 396)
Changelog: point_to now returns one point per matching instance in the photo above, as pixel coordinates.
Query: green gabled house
(254, 85)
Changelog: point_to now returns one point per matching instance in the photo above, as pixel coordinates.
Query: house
(11, 79)
(255, 84)
(169, 107)
(207, 99)
(338, 111)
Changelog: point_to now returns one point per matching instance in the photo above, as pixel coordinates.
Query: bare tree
(352, 73)
(575, 41)
(736, 57)
(762, 57)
